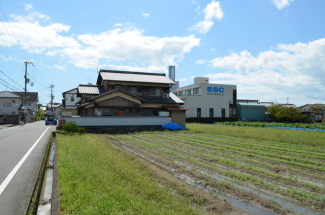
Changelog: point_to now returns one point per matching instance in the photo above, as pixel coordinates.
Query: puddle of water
(282, 202)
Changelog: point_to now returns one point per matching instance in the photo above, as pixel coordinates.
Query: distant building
(204, 99)
(9, 103)
(70, 103)
(31, 102)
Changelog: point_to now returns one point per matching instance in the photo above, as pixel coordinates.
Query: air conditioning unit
(166, 96)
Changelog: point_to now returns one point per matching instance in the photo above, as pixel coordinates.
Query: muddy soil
(155, 150)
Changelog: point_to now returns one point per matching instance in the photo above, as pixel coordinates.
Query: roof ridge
(133, 72)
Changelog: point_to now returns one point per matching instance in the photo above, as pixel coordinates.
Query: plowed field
(259, 177)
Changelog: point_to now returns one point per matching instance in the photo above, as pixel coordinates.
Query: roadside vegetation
(274, 124)
(95, 177)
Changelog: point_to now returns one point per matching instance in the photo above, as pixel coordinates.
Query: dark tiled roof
(172, 99)
(142, 77)
(31, 96)
(112, 91)
(90, 89)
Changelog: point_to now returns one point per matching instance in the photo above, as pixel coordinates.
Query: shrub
(81, 130)
(70, 127)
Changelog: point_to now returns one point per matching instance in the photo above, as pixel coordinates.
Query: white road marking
(8, 128)
(14, 170)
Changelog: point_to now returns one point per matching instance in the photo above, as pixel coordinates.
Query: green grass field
(98, 176)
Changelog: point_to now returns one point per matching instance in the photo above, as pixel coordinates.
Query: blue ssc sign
(215, 89)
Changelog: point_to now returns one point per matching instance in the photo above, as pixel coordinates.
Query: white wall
(68, 96)
(206, 100)
(116, 121)
(13, 108)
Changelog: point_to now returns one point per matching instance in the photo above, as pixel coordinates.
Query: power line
(11, 79)
(14, 41)
(9, 84)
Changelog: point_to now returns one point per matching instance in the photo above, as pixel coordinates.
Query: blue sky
(273, 50)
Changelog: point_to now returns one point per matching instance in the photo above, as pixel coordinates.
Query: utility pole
(52, 97)
(26, 81)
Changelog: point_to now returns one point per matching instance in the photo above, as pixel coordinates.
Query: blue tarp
(305, 129)
(173, 126)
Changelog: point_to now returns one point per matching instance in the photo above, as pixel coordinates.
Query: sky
(273, 50)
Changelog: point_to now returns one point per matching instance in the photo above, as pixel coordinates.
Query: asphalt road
(21, 152)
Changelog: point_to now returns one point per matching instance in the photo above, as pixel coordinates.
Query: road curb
(55, 210)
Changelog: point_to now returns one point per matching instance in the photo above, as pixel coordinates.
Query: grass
(97, 178)
(311, 138)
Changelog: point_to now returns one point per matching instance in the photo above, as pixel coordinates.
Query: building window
(232, 112)
(29, 104)
(211, 113)
(196, 91)
(13, 101)
(156, 91)
(223, 112)
(188, 92)
(234, 96)
(135, 90)
(106, 112)
(72, 98)
(180, 93)
(198, 112)
(6, 104)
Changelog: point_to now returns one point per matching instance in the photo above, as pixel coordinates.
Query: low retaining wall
(107, 124)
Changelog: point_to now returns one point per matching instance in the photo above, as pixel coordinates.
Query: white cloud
(130, 44)
(280, 4)
(201, 61)
(118, 25)
(61, 68)
(212, 11)
(146, 15)
(202, 27)
(28, 7)
(184, 79)
(113, 47)
(293, 70)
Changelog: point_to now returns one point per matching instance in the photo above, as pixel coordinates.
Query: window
(13, 101)
(106, 112)
(29, 104)
(234, 96)
(223, 112)
(180, 93)
(156, 91)
(135, 90)
(232, 112)
(211, 113)
(188, 92)
(6, 104)
(196, 91)
(72, 98)
(198, 112)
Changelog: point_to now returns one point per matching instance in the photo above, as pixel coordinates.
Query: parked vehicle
(50, 119)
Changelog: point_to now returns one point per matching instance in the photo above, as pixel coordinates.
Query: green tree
(287, 114)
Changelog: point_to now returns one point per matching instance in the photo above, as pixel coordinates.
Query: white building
(203, 99)
(9, 103)
(70, 103)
